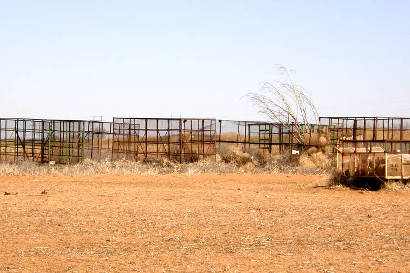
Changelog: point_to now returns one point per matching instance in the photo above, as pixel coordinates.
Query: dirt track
(179, 223)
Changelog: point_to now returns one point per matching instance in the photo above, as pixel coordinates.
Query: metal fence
(190, 139)
(60, 141)
(273, 138)
(183, 139)
(178, 139)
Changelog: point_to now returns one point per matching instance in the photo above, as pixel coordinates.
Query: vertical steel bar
(92, 138)
(169, 138)
(280, 138)
(113, 138)
(237, 135)
(16, 126)
(1, 141)
(70, 141)
(203, 139)
(401, 164)
(146, 138)
(220, 131)
(401, 138)
(100, 140)
(249, 135)
(49, 140)
(180, 140)
(23, 141)
(191, 132)
(42, 148)
(82, 140)
(245, 132)
(66, 134)
(157, 142)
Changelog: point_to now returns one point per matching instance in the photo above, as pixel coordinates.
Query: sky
(85, 59)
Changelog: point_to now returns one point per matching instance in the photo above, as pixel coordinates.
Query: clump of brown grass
(319, 139)
(316, 162)
(255, 160)
(235, 156)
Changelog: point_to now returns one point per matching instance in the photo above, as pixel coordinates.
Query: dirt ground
(199, 223)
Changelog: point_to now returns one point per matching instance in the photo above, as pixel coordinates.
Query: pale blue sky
(79, 59)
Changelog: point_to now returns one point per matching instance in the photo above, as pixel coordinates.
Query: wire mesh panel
(177, 139)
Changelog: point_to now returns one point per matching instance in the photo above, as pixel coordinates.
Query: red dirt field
(199, 223)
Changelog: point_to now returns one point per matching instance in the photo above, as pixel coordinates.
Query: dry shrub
(235, 156)
(316, 160)
(316, 139)
(312, 150)
(280, 164)
(245, 158)
(248, 167)
(260, 158)
(322, 141)
(327, 149)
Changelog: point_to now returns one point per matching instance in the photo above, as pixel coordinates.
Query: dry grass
(151, 167)
(232, 160)
(229, 160)
(396, 186)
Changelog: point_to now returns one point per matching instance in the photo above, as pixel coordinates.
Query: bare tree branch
(286, 103)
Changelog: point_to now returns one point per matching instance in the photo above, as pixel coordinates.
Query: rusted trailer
(373, 162)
